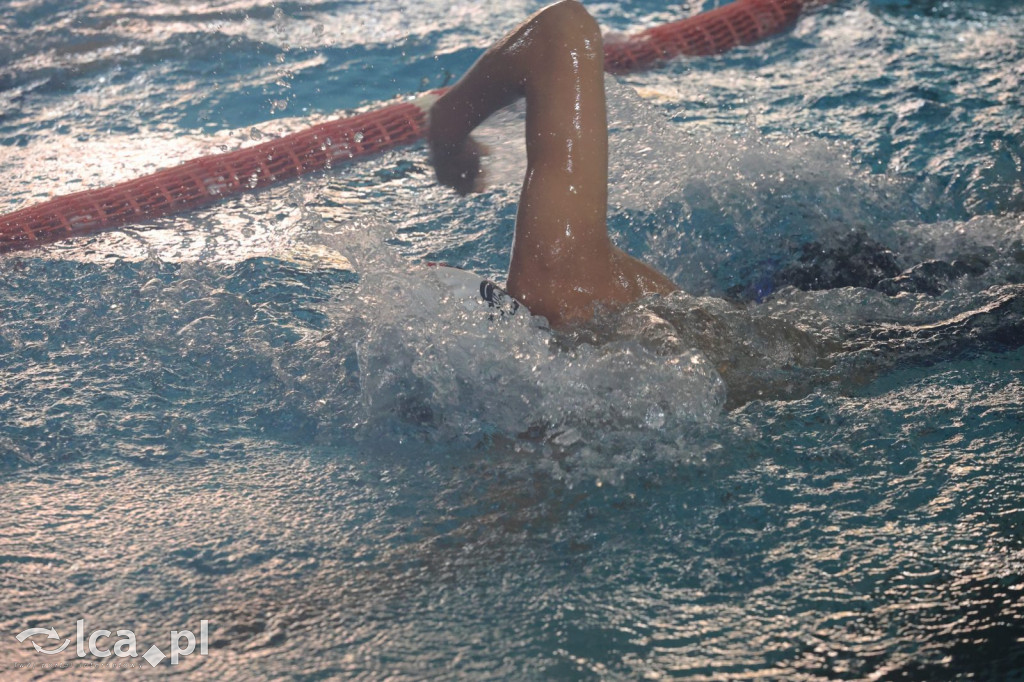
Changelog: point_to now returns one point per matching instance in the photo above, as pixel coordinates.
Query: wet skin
(563, 263)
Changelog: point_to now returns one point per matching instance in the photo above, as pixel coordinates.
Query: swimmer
(563, 263)
(564, 266)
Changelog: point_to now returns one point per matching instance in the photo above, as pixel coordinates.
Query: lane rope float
(209, 179)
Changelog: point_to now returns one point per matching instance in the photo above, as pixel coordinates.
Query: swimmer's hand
(458, 166)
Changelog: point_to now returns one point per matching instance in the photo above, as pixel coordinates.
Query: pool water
(265, 414)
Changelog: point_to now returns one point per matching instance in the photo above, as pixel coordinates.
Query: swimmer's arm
(496, 80)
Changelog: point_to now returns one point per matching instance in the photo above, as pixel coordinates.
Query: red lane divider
(739, 23)
(209, 179)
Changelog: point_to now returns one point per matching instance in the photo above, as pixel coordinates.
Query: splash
(431, 366)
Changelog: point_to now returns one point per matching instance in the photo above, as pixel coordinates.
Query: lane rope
(209, 179)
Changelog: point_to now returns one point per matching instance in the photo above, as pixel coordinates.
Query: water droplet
(255, 134)
(655, 417)
(358, 137)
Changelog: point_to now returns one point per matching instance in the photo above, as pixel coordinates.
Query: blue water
(263, 414)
